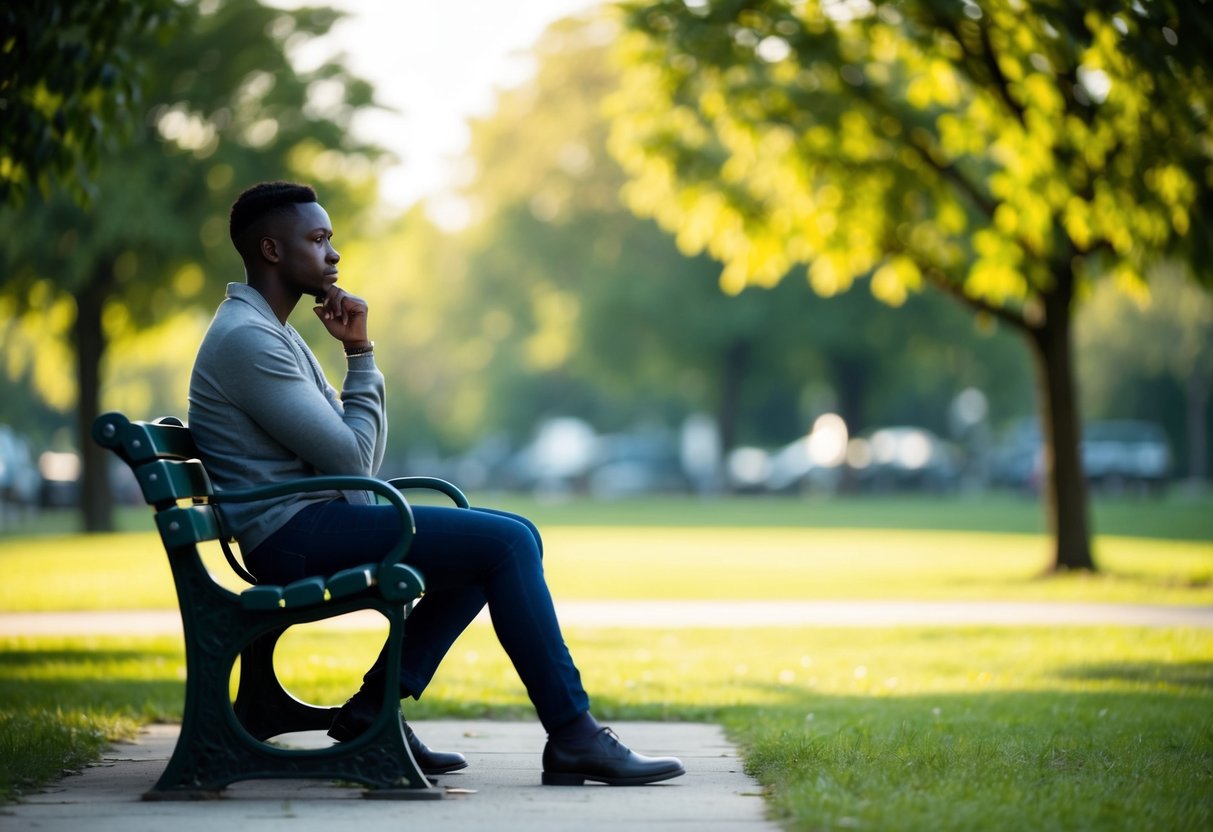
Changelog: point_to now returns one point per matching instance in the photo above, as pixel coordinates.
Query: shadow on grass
(1184, 675)
(17, 661)
(145, 683)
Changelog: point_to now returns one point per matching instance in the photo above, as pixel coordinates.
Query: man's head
(284, 237)
(257, 207)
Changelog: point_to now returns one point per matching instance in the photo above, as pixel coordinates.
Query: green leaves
(987, 145)
(69, 85)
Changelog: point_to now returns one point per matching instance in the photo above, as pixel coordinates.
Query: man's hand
(344, 316)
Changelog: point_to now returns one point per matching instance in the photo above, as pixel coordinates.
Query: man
(261, 411)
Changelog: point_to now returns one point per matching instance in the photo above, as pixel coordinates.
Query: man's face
(308, 260)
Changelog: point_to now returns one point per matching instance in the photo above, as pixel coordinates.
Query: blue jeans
(469, 557)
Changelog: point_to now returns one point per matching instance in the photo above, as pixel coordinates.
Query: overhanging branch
(939, 281)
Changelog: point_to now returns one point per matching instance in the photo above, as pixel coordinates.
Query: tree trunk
(850, 377)
(1064, 485)
(96, 501)
(1197, 418)
(736, 366)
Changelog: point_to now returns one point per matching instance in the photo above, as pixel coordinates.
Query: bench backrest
(164, 460)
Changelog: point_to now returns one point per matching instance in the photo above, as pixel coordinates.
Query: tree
(69, 84)
(223, 107)
(1006, 153)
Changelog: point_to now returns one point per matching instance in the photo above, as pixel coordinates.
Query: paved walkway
(671, 614)
(499, 791)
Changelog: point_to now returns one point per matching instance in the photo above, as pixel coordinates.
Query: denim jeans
(469, 557)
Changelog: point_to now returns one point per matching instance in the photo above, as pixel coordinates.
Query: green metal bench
(222, 741)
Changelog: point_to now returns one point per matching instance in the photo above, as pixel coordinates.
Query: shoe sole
(562, 778)
(445, 769)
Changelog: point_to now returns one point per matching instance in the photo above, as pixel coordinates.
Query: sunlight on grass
(788, 564)
(130, 571)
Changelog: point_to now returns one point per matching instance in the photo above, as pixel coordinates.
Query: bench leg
(215, 749)
(263, 706)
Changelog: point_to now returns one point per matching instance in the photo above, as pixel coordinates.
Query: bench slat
(262, 598)
(167, 480)
(303, 593)
(352, 581)
(187, 525)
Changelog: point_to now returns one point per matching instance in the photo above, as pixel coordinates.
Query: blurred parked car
(903, 459)
(1016, 462)
(1125, 455)
(557, 459)
(60, 479)
(627, 464)
(20, 482)
(1117, 456)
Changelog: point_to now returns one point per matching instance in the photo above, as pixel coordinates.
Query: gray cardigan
(261, 411)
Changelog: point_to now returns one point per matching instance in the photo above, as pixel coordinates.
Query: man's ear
(268, 247)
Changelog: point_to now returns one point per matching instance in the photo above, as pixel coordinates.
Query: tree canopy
(1007, 153)
(982, 148)
(70, 86)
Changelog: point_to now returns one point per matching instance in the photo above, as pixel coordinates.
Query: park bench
(221, 741)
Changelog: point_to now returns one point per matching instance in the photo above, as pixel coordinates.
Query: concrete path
(499, 791)
(672, 614)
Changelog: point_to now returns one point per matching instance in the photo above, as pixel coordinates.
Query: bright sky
(436, 62)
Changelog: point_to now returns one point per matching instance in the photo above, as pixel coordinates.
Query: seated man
(261, 411)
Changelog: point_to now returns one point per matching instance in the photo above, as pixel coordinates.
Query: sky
(436, 63)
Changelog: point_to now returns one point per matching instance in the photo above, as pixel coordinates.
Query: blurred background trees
(1152, 355)
(563, 303)
(536, 293)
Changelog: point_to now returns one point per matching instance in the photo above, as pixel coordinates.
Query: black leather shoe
(605, 759)
(433, 762)
(356, 716)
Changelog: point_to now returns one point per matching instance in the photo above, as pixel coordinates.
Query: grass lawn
(1149, 551)
(906, 728)
(900, 728)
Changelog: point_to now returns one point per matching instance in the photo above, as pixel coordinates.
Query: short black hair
(261, 201)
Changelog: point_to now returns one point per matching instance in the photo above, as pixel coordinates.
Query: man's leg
(470, 557)
(437, 620)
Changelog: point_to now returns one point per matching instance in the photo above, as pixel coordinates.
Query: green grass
(1175, 517)
(900, 728)
(904, 728)
(129, 570)
(62, 701)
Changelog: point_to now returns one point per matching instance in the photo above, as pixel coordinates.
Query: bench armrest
(335, 483)
(433, 484)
